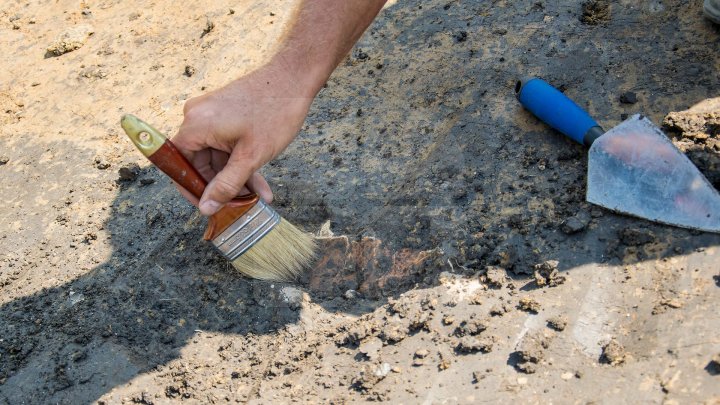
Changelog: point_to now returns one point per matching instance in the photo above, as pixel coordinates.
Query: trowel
(633, 168)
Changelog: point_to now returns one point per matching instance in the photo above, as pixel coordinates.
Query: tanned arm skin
(230, 133)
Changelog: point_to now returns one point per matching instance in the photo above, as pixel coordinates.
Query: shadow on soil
(429, 150)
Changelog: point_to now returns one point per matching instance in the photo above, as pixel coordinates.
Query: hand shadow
(161, 286)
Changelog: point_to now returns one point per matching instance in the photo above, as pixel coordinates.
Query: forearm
(321, 34)
(229, 133)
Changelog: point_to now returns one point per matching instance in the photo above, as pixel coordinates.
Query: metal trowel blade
(635, 169)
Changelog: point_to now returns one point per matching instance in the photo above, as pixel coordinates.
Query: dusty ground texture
(462, 263)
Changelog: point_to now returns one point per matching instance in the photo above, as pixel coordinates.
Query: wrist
(305, 72)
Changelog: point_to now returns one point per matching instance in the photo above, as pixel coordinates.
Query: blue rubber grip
(554, 108)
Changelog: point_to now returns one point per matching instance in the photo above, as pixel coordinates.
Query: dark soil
(595, 12)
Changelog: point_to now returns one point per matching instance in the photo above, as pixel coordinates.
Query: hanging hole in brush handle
(144, 137)
(557, 110)
(163, 154)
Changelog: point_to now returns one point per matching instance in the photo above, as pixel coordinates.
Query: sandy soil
(461, 263)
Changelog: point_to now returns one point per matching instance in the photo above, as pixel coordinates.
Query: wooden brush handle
(173, 163)
(169, 159)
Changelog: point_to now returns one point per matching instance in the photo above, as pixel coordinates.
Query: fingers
(228, 183)
(255, 184)
(260, 186)
(192, 136)
(203, 162)
(218, 160)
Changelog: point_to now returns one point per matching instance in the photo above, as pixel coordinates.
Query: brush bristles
(281, 255)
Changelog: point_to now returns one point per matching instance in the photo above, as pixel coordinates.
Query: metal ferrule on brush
(247, 230)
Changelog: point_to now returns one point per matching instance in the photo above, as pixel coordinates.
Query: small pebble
(101, 164)
(573, 225)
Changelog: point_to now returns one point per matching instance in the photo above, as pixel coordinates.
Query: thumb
(228, 183)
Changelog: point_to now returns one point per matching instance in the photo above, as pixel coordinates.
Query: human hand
(230, 133)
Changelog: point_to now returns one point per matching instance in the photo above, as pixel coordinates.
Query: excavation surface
(461, 263)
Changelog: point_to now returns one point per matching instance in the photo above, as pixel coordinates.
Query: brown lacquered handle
(169, 159)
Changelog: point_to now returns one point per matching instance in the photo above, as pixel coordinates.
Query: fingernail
(209, 207)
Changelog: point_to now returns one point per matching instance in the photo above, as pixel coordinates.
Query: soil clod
(546, 274)
(371, 348)
(370, 375)
(628, 98)
(495, 277)
(351, 295)
(528, 304)
(70, 40)
(636, 236)
(471, 344)
(595, 12)
(665, 304)
(499, 310)
(129, 172)
(713, 366)
(697, 133)
(209, 27)
(292, 296)
(101, 163)
(613, 353)
(471, 328)
(532, 351)
(558, 322)
(575, 223)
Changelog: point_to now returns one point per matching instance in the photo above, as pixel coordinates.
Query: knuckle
(267, 150)
(225, 188)
(190, 105)
(245, 157)
(196, 111)
(261, 153)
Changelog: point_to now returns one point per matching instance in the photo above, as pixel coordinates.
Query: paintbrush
(247, 231)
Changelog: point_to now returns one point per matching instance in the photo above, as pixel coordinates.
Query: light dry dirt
(460, 263)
